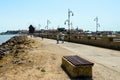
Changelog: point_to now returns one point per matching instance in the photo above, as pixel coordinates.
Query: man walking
(58, 39)
(62, 38)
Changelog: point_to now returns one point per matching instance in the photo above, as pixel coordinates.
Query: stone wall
(106, 42)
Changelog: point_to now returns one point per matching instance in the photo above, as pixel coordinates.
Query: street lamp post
(70, 13)
(48, 22)
(39, 28)
(97, 24)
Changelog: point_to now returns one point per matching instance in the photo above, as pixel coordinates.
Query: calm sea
(4, 38)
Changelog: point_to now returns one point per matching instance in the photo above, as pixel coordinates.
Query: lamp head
(72, 14)
(64, 23)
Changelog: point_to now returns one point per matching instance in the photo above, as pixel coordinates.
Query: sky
(19, 14)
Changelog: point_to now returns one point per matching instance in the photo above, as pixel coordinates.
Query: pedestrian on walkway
(58, 39)
(42, 36)
(62, 38)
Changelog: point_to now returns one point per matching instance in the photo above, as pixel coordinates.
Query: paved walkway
(107, 61)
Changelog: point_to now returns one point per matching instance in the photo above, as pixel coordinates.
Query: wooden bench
(77, 67)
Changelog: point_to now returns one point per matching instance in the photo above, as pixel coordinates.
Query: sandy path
(44, 62)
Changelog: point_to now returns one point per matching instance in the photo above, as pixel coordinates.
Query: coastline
(5, 37)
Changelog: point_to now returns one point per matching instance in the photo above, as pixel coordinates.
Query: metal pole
(96, 24)
(68, 20)
(39, 30)
(47, 29)
(48, 22)
(69, 24)
(96, 20)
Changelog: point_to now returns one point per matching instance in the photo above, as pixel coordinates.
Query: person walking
(62, 38)
(58, 39)
(42, 36)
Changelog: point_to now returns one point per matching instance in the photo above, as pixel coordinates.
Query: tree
(61, 29)
(31, 29)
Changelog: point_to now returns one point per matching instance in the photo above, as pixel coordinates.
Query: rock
(15, 45)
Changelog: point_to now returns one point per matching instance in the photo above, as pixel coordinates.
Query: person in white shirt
(62, 38)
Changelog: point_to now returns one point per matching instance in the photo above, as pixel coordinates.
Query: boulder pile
(15, 45)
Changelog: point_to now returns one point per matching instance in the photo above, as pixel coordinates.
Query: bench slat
(77, 61)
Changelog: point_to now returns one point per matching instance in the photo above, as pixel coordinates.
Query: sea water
(4, 38)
